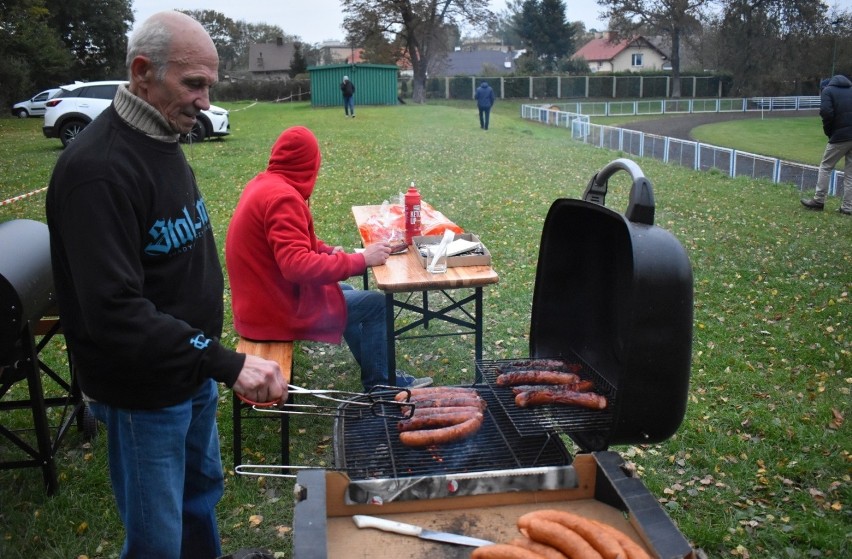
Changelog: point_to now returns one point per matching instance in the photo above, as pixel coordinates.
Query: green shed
(375, 84)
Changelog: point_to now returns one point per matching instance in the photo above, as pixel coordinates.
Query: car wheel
(22, 113)
(197, 134)
(69, 130)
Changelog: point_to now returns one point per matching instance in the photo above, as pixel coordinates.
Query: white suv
(78, 104)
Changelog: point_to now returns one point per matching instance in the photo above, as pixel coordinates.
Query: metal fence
(686, 153)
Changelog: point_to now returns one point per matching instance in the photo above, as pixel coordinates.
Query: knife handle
(364, 521)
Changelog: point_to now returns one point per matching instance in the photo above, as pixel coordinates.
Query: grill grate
(368, 447)
(567, 419)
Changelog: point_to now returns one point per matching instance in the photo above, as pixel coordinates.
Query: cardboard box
(323, 526)
(467, 259)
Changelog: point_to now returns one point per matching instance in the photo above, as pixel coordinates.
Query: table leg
(391, 338)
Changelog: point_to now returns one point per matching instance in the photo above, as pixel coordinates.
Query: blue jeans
(365, 333)
(166, 473)
(349, 105)
(484, 115)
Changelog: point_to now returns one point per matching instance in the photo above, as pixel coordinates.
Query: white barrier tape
(22, 196)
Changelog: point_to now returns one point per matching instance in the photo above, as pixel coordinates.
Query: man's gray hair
(152, 39)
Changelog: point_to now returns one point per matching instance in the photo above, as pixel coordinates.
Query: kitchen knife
(363, 521)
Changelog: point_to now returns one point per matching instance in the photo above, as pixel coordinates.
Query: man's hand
(376, 254)
(261, 381)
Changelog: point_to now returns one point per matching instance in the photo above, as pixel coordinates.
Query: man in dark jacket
(835, 109)
(140, 292)
(484, 101)
(348, 90)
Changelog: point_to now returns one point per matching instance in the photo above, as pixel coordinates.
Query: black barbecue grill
(613, 304)
(28, 322)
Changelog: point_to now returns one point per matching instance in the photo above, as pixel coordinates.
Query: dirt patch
(680, 126)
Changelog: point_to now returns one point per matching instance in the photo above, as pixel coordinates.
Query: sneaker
(404, 380)
(812, 204)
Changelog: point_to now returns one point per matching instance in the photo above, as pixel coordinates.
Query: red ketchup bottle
(412, 213)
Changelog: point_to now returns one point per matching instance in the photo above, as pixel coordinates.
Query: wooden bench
(282, 353)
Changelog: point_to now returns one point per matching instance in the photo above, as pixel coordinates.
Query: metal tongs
(379, 399)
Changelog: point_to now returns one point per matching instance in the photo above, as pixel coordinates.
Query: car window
(99, 91)
(41, 96)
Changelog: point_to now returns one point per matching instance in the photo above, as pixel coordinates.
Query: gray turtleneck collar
(142, 116)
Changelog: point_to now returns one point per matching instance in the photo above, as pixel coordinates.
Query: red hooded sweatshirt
(284, 280)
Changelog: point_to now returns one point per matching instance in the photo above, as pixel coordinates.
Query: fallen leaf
(255, 519)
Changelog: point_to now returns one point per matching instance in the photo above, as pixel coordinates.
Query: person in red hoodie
(285, 282)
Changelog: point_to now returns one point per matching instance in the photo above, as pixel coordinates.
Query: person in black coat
(348, 90)
(484, 101)
(835, 109)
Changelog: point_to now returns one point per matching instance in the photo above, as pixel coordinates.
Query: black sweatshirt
(137, 274)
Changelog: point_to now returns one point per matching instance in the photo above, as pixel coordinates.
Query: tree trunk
(676, 62)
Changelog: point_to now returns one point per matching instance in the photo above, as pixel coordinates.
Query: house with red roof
(636, 54)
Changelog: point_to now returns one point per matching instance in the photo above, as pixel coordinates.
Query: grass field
(761, 464)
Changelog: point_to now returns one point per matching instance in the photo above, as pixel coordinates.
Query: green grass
(797, 139)
(759, 468)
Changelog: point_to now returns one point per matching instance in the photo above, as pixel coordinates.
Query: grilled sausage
(503, 551)
(582, 386)
(544, 550)
(447, 417)
(562, 538)
(542, 363)
(515, 378)
(431, 392)
(564, 397)
(606, 545)
(444, 435)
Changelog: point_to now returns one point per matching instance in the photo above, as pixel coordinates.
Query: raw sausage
(545, 397)
(444, 435)
(544, 550)
(582, 386)
(503, 551)
(431, 391)
(632, 549)
(434, 421)
(607, 546)
(562, 538)
(536, 377)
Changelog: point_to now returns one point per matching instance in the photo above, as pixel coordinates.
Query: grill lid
(618, 292)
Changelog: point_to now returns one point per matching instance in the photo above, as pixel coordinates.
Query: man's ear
(141, 70)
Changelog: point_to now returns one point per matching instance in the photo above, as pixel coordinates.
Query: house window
(636, 59)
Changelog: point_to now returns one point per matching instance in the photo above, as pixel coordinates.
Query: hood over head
(483, 84)
(840, 81)
(346, 78)
(296, 157)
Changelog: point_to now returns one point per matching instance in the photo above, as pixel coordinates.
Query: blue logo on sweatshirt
(199, 341)
(173, 235)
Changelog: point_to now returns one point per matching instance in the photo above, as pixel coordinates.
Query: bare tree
(423, 28)
(670, 18)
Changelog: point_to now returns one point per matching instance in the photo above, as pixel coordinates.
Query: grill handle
(640, 208)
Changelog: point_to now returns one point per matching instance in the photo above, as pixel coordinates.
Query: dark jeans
(484, 114)
(349, 105)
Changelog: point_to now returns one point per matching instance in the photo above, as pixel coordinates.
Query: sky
(316, 21)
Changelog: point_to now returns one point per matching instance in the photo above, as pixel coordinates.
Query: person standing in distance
(140, 292)
(484, 101)
(348, 90)
(835, 109)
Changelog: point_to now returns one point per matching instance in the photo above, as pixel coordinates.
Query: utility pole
(834, 25)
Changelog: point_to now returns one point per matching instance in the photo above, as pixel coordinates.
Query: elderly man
(140, 292)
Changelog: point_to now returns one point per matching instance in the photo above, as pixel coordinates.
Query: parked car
(34, 106)
(78, 104)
